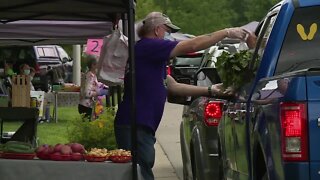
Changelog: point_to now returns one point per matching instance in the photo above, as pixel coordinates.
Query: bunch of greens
(234, 69)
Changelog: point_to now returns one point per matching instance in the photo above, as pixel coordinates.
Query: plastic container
(77, 157)
(120, 159)
(91, 158)
(18, 156)
(56, 87)
(60, 157)
(43, 156)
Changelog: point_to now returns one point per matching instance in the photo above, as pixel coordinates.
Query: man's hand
(237, 33)
(219, 90)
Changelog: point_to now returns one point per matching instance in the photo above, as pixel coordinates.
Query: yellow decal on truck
(312, 31)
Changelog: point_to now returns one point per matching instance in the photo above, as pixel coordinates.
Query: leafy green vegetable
(234, 69)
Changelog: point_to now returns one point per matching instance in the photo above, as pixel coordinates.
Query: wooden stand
(21, 91)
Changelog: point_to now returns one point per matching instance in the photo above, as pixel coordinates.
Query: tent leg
(131, 37)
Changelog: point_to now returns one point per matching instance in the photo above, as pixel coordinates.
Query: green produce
(235, 70)
(18, 150)
(18, 147)
(18, 142)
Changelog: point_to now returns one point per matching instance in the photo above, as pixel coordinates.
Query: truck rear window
(46, 52)
(301, 47)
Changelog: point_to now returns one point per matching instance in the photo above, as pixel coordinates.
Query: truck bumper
(297, 171)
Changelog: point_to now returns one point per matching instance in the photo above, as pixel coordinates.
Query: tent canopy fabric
(57, 21)
(37, 32)
(105, 10)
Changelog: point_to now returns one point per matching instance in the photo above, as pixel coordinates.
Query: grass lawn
(52, 133)
(68, 118)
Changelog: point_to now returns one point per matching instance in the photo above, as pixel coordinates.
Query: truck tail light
(294, 139)
(213, 113)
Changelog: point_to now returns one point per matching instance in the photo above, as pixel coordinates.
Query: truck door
(227, 143)
(244, 110)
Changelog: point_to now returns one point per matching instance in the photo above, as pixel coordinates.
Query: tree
(144, 7)
(257, 9)
(239, 8)
(199, 17)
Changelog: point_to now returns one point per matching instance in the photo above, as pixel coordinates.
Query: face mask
(26, 71)
(167, 36)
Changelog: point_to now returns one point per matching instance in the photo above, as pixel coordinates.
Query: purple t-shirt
(151, 56)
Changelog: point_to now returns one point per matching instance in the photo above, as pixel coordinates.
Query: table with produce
(20, 160)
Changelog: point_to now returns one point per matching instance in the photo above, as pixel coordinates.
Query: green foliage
(257, 9)
(68, 48)
(234, 69)
(144, 7)
(201, 17)
(98, 133)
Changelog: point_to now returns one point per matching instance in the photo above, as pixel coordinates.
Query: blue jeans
(145, 147)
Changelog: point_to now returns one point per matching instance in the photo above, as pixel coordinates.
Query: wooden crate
(20, 91)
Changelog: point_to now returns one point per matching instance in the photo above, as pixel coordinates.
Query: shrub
(98, 133)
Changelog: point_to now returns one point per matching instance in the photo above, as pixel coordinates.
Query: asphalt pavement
(168, 164)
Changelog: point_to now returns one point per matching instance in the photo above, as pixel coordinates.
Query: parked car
(52, 64)
(270, 130)
(183, 68)
(201, 115)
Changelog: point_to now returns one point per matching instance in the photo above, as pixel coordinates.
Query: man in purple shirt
(151, 54)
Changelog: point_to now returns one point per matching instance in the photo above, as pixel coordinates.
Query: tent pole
(131, 39)
(76, 64)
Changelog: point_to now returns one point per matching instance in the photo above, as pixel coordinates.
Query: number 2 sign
(94, 46)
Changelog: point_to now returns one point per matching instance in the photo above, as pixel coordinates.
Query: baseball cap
(158, 18)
